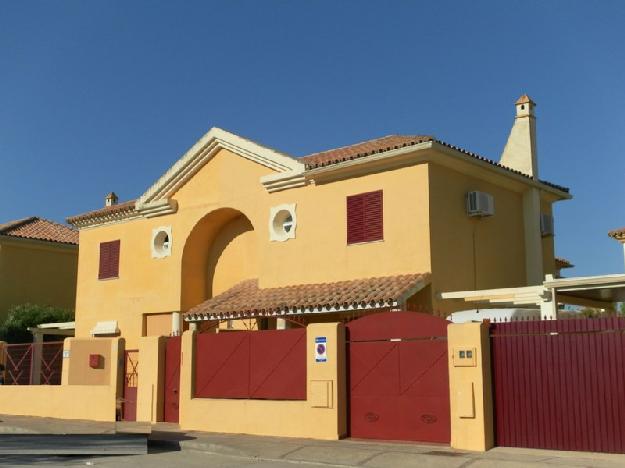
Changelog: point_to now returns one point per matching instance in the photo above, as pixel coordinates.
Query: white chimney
(111, 199)
(520, 150)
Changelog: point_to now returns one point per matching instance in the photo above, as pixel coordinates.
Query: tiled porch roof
(246, 299)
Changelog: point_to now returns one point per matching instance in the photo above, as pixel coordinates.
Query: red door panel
(172, 380)
(398, 377)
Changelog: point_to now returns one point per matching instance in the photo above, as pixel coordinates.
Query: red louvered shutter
(374, 216)
(355, 218)
(365, 217)
(109, 260)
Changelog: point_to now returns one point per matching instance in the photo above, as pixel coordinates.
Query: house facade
(38, 264)
(236, 235)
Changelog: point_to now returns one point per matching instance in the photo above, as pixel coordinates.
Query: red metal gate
(560, 384)
(34, 363)
(398, 377)
(131, 381)
(171, 399)
(268, 364)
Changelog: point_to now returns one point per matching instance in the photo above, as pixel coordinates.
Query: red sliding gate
(560, 384)
(268, 364)
(398, 377)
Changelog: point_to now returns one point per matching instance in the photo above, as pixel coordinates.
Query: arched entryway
(220, 252)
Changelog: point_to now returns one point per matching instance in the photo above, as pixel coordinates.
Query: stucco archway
(220, 251)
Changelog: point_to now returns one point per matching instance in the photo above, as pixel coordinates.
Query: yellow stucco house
(239, 235)
(38, 264)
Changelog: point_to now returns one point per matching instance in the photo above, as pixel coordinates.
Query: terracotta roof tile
(617, 233)
(40, 229)
(246, 299)
(391, 142)
(524, 100)
(119, 208)
(359, 150)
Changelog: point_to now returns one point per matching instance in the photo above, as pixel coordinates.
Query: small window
(365, 217)
(109, 260)
(161, 242)
(282, 222)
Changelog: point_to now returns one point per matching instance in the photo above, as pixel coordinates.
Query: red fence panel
(34, 363)
(268, 364)
(560, 384)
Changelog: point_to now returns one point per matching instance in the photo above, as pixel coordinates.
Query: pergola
(591, 291)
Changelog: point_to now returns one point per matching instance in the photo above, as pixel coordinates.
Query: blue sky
(101, 96)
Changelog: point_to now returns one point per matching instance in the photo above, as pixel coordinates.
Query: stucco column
(150, 389)
(470, 388)
(533, 239)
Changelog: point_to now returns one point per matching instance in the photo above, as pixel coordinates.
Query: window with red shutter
(365, 219)
(109, 260)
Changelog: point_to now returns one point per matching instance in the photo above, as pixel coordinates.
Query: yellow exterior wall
(272, 417)
(86, 400)
(37, 272)
(220, 236)
(468, 252)
(470, 387)
(223, 190)
(80, 373)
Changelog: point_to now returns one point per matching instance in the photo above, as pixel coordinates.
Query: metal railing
(33, 363)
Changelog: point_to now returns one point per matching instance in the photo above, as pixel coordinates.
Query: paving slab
(338, 454)
(417, 460)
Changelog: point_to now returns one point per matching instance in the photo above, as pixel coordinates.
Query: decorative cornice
(202, 151)
(283, 181)
(157, 208)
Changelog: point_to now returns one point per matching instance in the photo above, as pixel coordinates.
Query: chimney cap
(525, 99)
(111, 199)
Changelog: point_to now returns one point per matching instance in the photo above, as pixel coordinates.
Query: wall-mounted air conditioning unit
(480, 204)
(546, 225)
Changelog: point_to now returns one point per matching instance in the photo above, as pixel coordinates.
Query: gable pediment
(157, 199)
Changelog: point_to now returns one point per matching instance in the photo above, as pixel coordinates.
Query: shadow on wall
(219, 252)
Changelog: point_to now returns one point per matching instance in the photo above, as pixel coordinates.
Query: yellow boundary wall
(321, 416)
(65, 401)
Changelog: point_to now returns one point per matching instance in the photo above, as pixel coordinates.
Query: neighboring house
(236, 230)
(38, 264)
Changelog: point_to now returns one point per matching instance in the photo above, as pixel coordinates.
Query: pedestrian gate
(560, 384)
(172, 380)
(131, 381)
(398, 377)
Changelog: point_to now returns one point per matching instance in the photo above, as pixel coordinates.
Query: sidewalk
(372, 454)
(168, 438)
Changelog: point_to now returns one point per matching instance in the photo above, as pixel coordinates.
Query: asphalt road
(153, 460)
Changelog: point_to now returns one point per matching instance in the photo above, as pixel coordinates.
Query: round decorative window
(282, 223)
(161, 242)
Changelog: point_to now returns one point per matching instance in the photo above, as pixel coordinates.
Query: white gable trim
(153, 201)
